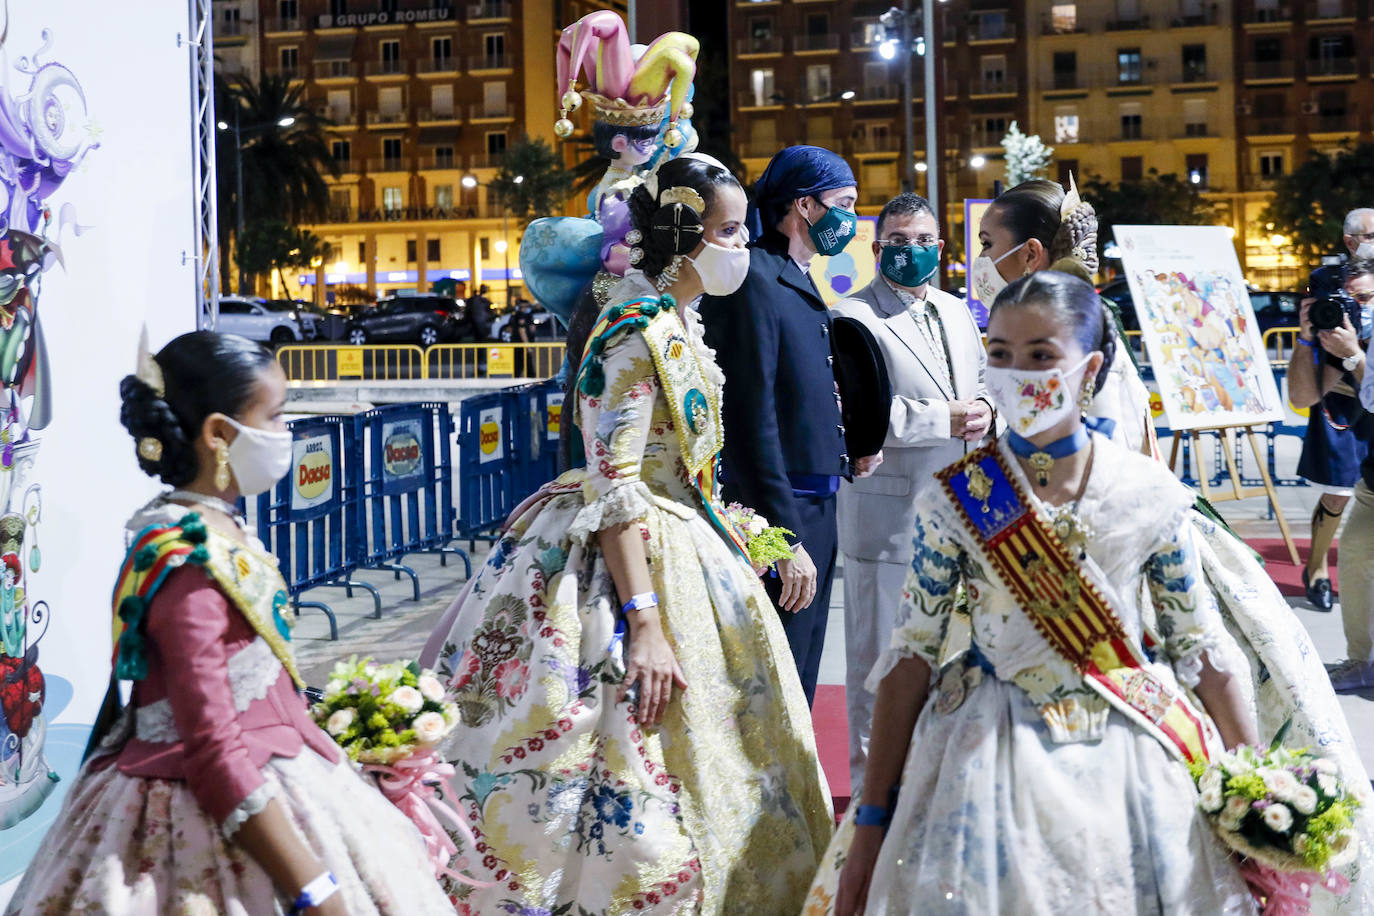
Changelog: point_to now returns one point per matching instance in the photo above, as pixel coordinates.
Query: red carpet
(1285, 575)
(832, 740)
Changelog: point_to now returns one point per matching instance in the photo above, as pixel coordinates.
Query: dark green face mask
(834, 230)
(909, 265)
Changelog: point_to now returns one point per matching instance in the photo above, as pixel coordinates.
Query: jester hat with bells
(625, 92)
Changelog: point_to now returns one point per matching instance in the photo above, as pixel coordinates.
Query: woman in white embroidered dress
(678, 776)
(212, 791)
(1021, 790)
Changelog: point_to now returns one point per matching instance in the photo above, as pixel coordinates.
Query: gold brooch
(150, 449)
(979, 485)
(1042, 464)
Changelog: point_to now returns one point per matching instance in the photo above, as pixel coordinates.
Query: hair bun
(147, 415)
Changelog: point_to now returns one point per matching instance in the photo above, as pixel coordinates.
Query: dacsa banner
(555, 423)
(403, 454)
(313, 470)
(489, 442)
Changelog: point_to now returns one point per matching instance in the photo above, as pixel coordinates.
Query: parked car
(545, 327)
(260, 320)
(1272, 309)
(425, 320)
(306, 314)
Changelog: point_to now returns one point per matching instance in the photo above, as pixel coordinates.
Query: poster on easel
(1199, 327)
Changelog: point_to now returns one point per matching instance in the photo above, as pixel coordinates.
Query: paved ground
(406, 624)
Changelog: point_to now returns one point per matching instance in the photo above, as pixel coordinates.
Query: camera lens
(1327, 313)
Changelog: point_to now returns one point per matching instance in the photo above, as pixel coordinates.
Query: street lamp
(502, 246)
(977, 162)
(283, 122)
(898, 19)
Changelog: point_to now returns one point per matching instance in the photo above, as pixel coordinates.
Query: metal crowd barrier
(377, 362)
(407, 495)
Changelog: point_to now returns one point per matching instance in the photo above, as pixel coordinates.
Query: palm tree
(531, 181)
(284, 154)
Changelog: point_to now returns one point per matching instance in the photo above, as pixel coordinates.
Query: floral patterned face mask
(1033, 400)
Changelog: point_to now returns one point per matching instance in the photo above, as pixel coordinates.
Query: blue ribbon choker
(1042, 460)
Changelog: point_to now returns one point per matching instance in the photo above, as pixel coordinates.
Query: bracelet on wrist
(872, 816)
(320, 889)
(1307, 343)
(642, 601)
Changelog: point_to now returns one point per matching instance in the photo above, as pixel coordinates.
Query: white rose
(430, 688)
(1344, 848)
(1304, 799)
(1329, 784)
(1322, 765)
(1278, 818)
(408, 698)
(1210, 800)
(1210, 780)
(1234, 813)
(335, 687)
(340, 721)
(1281, 782)
(429, 727)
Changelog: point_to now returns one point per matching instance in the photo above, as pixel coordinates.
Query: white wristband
(320, 889)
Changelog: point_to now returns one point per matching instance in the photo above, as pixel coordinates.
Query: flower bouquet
(390, 718)
(765, 543)
(1288, 814)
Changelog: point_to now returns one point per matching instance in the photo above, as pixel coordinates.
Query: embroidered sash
(693, 402)
(1069, 609)
(248, 578)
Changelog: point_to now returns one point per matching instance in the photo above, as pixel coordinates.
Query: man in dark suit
(784, 442)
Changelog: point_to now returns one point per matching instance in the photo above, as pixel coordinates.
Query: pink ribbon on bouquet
(1288, 893)
(410, 786)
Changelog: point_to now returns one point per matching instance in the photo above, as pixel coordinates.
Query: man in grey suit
(935, 361)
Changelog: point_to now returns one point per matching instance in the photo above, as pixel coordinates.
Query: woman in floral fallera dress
(661, 758)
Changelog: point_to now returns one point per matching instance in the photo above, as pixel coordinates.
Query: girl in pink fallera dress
(212, 791)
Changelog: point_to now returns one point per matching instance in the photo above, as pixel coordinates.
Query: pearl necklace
(213, 502)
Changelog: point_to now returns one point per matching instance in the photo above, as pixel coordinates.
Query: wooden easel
(1238, 490)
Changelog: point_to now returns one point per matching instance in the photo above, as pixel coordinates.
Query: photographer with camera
(1333, 324)
(1331, 452)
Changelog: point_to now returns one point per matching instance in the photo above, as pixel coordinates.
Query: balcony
(1049, 25)
(815, 44)
(231, 29)
(487, 160)
(437, 116)
(488, 62)
(980, 138)
(1269, 70)
(284, 71)
(347, 165)
(442, 161)
(759, 149)
(1193, 73)
(1260, 15)
(334, 69)
(882, 92)
(1192, 19)
(338, 118)
(989, 86)
(440, 66)
(1065, 81)
(758, 47)
(750, 99)
(1193, 130)
(1318, 10)
(1137, 24)
(984, 30)
(1333, 67)
(279, 25)
(387, 118)
(385, 68)
(491, 111)
(1270, 125)
(388, 164)
(1332, 124)
(869, 146)
(489, 10)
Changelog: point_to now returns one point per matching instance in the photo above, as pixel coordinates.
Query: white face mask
(258, 458)
(722, 270)
(1033, 400)
(985, 280)
(1366, 250)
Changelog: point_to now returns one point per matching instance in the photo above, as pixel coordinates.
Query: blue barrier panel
(307, 520)
(407, 492)
(536, 456)
(486, 444)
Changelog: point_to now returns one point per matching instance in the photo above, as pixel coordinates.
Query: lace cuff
(1187, 651)
(629, 502)
(254, 804)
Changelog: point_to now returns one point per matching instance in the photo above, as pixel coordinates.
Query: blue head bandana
(796, 171)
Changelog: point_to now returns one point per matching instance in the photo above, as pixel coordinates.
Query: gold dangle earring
(1085, 398)
(221, 467)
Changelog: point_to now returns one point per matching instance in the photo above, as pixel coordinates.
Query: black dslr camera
(1332, 304)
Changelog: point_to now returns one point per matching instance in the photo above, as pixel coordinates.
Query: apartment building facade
(424, 97)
